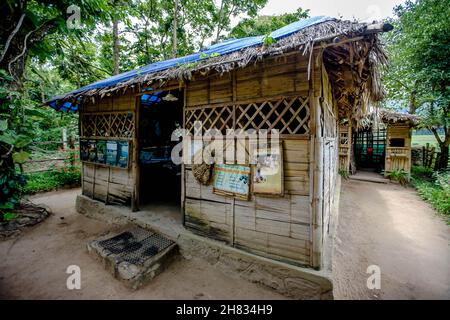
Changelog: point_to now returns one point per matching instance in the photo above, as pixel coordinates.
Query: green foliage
(51, 180)
(206, 55)
(11, 184)
(232, 8)
(343, 173)
(260, 25)
(8, 216)
(434, 188)
(422, 172)
(401, 176)
(418, 76)
(268, 40)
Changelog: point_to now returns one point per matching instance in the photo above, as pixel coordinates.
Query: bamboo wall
(266, 95)
(326, 160)
(398, 158)
(111, 118)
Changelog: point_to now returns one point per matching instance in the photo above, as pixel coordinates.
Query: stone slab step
(369, 179)
(134, 256)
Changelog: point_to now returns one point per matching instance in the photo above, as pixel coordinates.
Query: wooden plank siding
(105, 183)
(274, 227)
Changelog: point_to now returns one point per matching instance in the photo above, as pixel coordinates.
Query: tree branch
(11, 36)
(25, 45)
(436, 135)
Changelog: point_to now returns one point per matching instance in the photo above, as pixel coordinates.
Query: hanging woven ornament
(202, 173)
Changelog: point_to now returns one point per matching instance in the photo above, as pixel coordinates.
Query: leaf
(20, 157)
(7, 205)
(34, 112)
(3, 125)
(9, 216)
(7, 138)
(22, 140)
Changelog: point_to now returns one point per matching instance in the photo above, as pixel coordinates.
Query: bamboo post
(183, 167)
(72, 147)
(64, 138)
(135, 164)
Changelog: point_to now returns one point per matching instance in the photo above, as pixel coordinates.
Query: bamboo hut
(381, 141)
(316, 72)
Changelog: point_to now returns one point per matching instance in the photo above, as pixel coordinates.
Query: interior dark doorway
(369, 148)
(160, 179)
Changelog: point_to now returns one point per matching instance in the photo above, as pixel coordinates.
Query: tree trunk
(116, 46)
(174, 30)
(219, 20)
(443, 158)
(412, 102)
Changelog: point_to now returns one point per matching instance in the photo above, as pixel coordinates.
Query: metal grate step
(134, 246)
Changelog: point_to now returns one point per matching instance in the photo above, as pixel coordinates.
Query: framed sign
(232, 180)
(92, 150)
(122, 154)
(106, 152)
(111, 153)
(84, 150)
(101, 151)
(267, 173)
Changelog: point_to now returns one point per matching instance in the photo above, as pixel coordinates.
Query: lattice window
(118, 125)
(220, 118)
(344, 138)
(289, 115)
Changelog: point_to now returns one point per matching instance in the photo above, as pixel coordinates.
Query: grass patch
(422, 140)
(433, 188)
(50, 180)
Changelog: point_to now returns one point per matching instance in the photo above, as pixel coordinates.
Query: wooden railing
(398, 158)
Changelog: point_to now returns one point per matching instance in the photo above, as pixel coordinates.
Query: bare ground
(33, 265)
(380, 224)
(390, 226)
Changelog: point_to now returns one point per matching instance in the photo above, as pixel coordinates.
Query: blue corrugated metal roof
(225, 47)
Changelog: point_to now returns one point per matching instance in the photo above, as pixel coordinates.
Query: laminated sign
(111, 153)
(232, 180)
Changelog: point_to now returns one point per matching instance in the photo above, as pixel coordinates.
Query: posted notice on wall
(232, 180)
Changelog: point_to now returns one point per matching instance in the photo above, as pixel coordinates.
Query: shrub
(51, 180)
(343, 173)
(398, 175)
(423, 172)
(435, 190)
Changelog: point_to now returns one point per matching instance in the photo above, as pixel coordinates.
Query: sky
(364, 10)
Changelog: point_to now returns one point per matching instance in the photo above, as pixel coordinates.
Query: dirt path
(390, 226)
(33, 265)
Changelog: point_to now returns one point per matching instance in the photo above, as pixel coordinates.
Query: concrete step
(369, 178)
(134, 256)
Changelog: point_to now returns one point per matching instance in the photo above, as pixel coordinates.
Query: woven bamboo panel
(118, 125)
(220, 118)
(288, 115)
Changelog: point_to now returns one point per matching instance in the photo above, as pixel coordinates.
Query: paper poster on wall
(101, 151)
(231, 180)
(92, 150)
(268, 171)
(84, 150)
(123, 154)
(111, 153)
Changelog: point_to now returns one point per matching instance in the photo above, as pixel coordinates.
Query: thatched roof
(389, 116)
(385, 116)
(351, 53)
